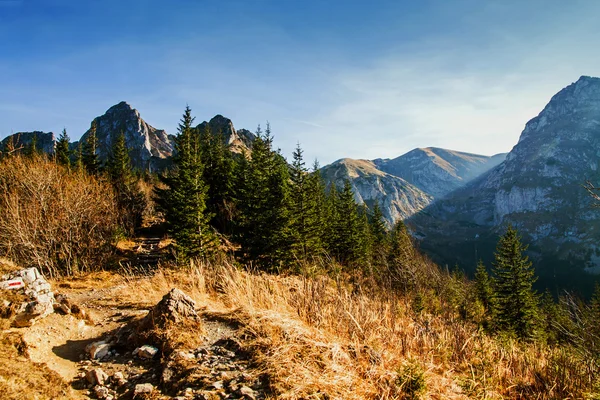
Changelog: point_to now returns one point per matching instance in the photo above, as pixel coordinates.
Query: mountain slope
(149, 147)
(538, 189)
(438, 171)
(398, 199)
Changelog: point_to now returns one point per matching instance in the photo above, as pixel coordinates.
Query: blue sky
(344, 78)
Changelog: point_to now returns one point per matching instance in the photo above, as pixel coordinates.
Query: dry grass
(321, 338)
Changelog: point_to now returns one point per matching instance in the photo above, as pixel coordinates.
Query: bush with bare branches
(57, 220)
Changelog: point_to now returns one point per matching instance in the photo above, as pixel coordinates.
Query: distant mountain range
(407, 184)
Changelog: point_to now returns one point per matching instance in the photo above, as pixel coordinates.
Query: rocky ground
(106, 348)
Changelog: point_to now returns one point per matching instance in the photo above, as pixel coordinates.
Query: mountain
(46, 141)
(398, 198)
(438, 171)
(538, 189)
(407, 184)
(240, 140)
(149, 147)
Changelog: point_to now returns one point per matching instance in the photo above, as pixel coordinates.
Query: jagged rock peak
(149, 147)
(238, 140)
(46, 141)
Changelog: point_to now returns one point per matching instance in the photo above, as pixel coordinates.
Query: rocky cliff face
(538, 188)
(149, 147)
(240, 140)
(439, 171)
(46, 141)
(397, 198)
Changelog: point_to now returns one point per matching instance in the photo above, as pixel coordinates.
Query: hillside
(397, 198)
(538, 189)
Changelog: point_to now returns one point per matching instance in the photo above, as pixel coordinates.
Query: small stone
(98, 350)
(118, 376)
(145, 351)
(143, 388)
(96, 376)
(247, 392)
(101, 392)
(218, 385)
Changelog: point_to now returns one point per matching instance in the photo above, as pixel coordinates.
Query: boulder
(175, 307)
(146, 352)
(96, 376)
(37, 291)
(98, 350)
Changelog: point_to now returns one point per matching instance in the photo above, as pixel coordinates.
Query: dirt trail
(216, 369)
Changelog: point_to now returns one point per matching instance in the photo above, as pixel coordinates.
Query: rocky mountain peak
(149, 147)
(238, 140)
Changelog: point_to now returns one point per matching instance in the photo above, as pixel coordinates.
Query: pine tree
(263, 204)
(218, 162)
(129, 197)
(63, 154)
(515, 301)
(347, 248)
(306, 195)
(89, 155)
(183, 202)
(484, 287)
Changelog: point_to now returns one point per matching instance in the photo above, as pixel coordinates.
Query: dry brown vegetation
(59, 221)
(318, 337)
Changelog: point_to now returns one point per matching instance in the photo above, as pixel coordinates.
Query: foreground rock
(36, 296)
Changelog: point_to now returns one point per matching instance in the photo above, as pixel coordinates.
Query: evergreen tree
(183, 202)
(348, 248)
(484, 287)
(306, 194)
(89, 155)
(218, 162)
(63, 154)
(263, 203)
(130, 198)
(515, 300)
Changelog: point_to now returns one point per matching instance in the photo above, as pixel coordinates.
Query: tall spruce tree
(515, 301)
(63, 154)
(130, 198)
(347, 247)
(305, 224)
(183, 201)
(218, 162)
(263, 204)
(89, 151)
(380, 240)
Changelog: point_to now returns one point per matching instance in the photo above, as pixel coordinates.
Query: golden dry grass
(320, 338)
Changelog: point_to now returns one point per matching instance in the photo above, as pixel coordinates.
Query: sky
(358, 79)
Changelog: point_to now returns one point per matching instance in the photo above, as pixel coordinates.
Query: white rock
(143, 388)
(145, 351)
(98, 350)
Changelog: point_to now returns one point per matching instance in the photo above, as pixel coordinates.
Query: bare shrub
(59, 221)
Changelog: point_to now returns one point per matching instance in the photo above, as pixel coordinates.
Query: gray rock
(143, 388)
(101, 392)
(98, 350)
(97, 376)
(146, 352)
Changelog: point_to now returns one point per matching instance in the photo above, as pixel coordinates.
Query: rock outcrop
(538, 189)
(149, 148)
(45, 141)
(240, 140)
